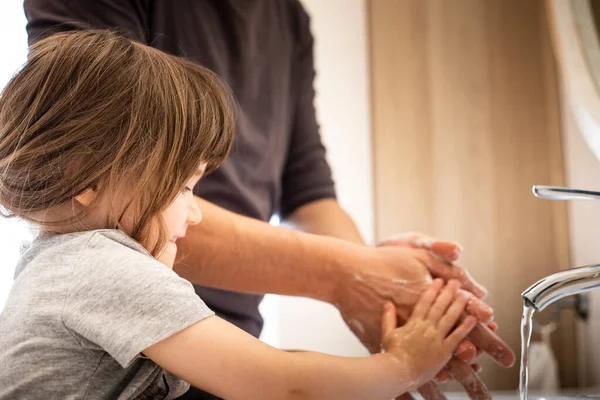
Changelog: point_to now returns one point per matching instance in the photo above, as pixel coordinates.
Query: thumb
(389, 319)
(445, 250)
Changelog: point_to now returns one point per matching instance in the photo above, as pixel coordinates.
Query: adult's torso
(250, 45)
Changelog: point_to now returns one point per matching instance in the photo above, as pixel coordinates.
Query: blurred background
(13, 52)
(438, 117)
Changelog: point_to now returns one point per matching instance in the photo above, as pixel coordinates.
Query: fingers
(449, 251)
(466, 351)
(442, 269)
(442, 376)
(430, 391)
(479, 353)
(443, 254)
(389, 319)
(427, 298)
(452, 316)
(478, 308)
(460, 332)
(483, 338)
(465, 375)
(443, 301)
(405, 396)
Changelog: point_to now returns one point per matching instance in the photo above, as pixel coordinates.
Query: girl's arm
(226, 361)
(222, 359)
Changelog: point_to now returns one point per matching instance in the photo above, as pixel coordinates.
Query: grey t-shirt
(82, 308)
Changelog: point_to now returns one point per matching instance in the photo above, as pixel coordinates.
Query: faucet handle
(579, 303)
(562, 193)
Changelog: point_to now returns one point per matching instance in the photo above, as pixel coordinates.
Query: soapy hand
(399, 271)
(447, 253)
(425, 343)
(482, 335)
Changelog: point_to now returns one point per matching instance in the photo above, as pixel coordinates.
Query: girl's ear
(86, 197)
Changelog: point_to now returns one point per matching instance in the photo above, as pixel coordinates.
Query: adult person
(264, 50)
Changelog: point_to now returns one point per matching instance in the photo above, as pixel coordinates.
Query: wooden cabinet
(465, 115)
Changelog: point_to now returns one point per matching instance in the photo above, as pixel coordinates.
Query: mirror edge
(577, 50)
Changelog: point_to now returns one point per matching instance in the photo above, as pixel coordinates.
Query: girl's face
(180, 214)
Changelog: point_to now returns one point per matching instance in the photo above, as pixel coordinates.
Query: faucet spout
(562, 284)
(565, 283)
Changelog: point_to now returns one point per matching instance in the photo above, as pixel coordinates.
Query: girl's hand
(428, 339)
(167, 256)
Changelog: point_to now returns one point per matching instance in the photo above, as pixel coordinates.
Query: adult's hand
(399, 272)
(447, 252)
(394, 274)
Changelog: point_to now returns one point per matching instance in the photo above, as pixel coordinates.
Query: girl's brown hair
(92, 109)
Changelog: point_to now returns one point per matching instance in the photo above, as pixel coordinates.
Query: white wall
(13, 51)
(343, 108)
(583, 172)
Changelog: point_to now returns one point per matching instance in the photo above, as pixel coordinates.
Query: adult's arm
(327, 217)
(233, 252)
(307, 205)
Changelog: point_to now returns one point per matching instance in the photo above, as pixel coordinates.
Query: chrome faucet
(565, 283)
(562, 284)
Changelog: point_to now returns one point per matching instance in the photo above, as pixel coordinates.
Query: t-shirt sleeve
(45, 17)
(124, 301)
(307, 175)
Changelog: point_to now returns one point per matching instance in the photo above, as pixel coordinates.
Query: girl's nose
(194, 214)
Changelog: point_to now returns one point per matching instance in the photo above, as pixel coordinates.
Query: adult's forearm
(325, 217)
(233, 252)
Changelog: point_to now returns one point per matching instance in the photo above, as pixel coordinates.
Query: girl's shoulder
(113, 239)
(107, 251)
(84, 253)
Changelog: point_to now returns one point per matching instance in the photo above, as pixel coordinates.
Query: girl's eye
(186, 189)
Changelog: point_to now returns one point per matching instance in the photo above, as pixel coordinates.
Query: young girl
(101, 142)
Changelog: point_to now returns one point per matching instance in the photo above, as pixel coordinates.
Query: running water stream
(526, 329)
